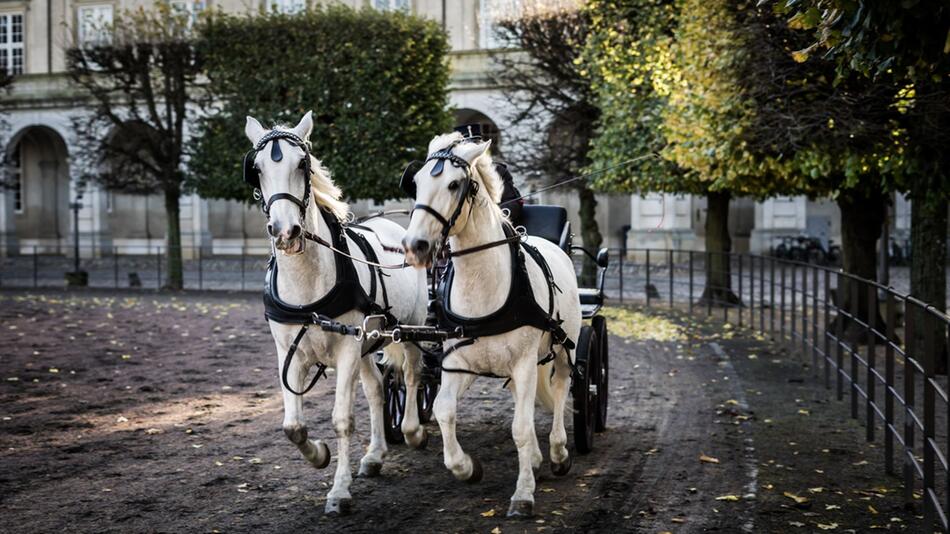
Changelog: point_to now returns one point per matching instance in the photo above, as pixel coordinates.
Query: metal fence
(882, 349)
(885, 351)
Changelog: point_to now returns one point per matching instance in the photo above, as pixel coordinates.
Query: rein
(320, 241)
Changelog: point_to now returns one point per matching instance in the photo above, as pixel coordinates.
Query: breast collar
(347, 293)
(520, 307)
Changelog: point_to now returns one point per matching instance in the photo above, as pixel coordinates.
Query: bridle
(252, 175)
(467, 191)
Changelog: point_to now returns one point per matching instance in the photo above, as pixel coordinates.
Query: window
(188, 7)
(16, 179)
(392, 5)
(11, 43)
(489, 12)
(288, 7)
(95, 24)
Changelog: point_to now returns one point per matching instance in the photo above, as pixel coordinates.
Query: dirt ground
(142, 412)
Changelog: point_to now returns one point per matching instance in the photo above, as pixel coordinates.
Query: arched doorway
(38, 190)
(489, 128)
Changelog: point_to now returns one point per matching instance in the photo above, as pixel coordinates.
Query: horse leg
(372, 381)
(560, 386)
(524, 377)
(316, 452)
(463, 466)
(347, 368)
(414, 432)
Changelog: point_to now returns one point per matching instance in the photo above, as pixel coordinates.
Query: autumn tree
(141, 78)
(544, 80)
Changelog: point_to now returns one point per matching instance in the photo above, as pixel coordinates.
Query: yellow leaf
(796, 498)
(678, 520)
(490, 513)
(733, 402)
(728, 498)
(816, 490)
(496, 530)
(708, 459)
(796, 523)
(803, 411)
(872, 509)
(829, 507)
(829, 526)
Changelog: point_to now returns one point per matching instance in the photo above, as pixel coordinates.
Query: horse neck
(482, 279)
(308, 276)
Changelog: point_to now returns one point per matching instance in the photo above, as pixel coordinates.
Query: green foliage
(376, 82)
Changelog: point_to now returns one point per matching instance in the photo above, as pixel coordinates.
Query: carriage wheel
(394, 406)
(585, 398)
(427, 393)
(603, 392)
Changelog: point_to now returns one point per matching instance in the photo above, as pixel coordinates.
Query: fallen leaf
(829, 526)
(796, 523)
(490, 513)
(121, 419)
(796, 498)
(872, 509)
(803, 411)
(862, 462)
(708, 459)
(829, 507)
(816, 490)
(729, 498)
(496, 530)
(153, 431)
(678, 520)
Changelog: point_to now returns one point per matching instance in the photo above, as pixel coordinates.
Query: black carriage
(590, 377)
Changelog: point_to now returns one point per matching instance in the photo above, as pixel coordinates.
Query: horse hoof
(370, 469)
(323, 451)
(423, 443)
(521, 509)
(561, 469)
(337, 506)
(477, 472)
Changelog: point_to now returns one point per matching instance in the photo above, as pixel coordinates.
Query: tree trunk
(862, 222)
(590, 233)
(928, 271)
(718, 290)
(173, 239)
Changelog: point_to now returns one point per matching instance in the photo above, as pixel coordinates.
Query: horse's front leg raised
(316, 452)
(463, 466)
(347, 368)
(372, 462)
(412, 429)
(524, 379)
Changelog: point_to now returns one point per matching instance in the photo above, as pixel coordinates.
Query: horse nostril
(421, 246)
(272, 230)
(295, 231)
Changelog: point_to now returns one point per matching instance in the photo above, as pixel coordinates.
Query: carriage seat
(548, 222)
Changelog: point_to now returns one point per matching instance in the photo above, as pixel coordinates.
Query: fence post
(36, 267)
(930, 399)
(910, 331)
(839, 356)
(158, 266)
(243, 256)
(870, 380)
(772, 298)
(805, 310)
(115, 266)
(751, 291)
(814, 321)
(853, 348)
(671, 278)
(761, 293)
(781, 325)
(889, 386)
(739, 307)
(647, 287)
(623, 252)
(708, 268)
(691, 282)
(827, 339)
(791, 335)
(200, 270)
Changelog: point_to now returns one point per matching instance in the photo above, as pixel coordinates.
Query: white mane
(326, 193)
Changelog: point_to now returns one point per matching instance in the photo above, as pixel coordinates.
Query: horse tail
(544, 393)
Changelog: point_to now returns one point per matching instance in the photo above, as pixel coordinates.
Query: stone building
(35, 213)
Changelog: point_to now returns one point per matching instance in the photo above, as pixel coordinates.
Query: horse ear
(472, 151)
(253, 130)
(305, 126)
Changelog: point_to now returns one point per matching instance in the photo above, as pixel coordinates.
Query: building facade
(35, 213)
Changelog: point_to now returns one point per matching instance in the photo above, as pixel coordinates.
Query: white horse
(481, 284)
(306, 272)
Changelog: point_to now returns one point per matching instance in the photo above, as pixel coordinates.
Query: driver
(510, 196)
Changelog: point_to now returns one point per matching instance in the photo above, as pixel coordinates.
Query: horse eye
(453, 185)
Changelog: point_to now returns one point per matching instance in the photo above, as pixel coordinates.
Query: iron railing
(883, 350)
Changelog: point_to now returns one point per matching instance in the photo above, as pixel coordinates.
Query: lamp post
(76, 277)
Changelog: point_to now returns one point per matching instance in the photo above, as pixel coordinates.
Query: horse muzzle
(290, 247)
(419, 252)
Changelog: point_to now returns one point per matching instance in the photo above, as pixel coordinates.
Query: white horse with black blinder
(457, 192)
(305, 273)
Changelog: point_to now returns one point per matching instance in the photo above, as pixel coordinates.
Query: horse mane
(324, 191)
(483, 166)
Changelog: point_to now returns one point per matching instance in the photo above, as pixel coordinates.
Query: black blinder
(251, 175)
(408, 183)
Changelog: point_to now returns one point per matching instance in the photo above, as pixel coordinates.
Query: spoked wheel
(394, 406)
(599, 323)
(585, 398)
(427, 393)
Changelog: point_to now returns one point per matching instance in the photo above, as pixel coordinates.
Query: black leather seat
(548, 222)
